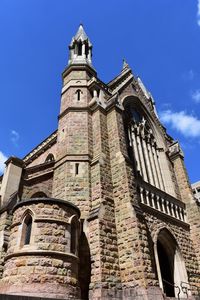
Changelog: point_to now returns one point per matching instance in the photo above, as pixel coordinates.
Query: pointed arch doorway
(170, 264)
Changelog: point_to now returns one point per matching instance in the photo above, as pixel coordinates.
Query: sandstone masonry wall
(45, 267)
(105, 274)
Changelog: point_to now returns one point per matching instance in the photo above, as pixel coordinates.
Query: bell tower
(82, 173)
(80, 48)
(71, 176)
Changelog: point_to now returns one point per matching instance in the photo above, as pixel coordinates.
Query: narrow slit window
(78, 95)
(76, 168)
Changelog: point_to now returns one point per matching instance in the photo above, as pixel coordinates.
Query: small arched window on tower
(49, 158)
(26, 230)
(74, 235)
(78, 94)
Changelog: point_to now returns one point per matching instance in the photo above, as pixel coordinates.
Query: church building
(102, 208)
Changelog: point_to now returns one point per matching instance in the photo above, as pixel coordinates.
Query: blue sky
(159, 39)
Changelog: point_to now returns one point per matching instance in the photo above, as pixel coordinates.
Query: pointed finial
(125, 64)
(81, 35)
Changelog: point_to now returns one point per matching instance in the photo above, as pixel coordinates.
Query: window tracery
(143, 148)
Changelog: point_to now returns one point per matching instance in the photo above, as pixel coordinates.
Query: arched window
(26, 230)
(142, 145)
(147, 146)
(49, 158)
(74, 236)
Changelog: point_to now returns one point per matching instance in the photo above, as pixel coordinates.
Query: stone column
(154, 175)
(158, 167)
(83, 50)
(141, 155)
(149, 162)
(89, 55)
(177, 157)
(95, 93)
(166, 173)
(135, 148)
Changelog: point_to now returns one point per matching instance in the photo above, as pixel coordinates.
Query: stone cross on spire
(80, 48)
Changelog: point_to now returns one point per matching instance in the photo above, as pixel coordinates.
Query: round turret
(42, 256)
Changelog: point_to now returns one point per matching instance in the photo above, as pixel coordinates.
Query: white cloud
(198, 12)
(3, 158)
(187, 125)
(188, 75)
(196, 96)
(191, 74)
(14, 137)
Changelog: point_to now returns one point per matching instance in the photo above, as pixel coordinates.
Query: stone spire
(80, 49)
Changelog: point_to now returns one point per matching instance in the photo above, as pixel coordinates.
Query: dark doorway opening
(166, 268)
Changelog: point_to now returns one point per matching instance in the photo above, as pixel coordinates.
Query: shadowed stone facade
(103, 208)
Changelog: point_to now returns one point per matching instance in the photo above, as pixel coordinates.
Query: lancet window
(26, 230)
(143, 148)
